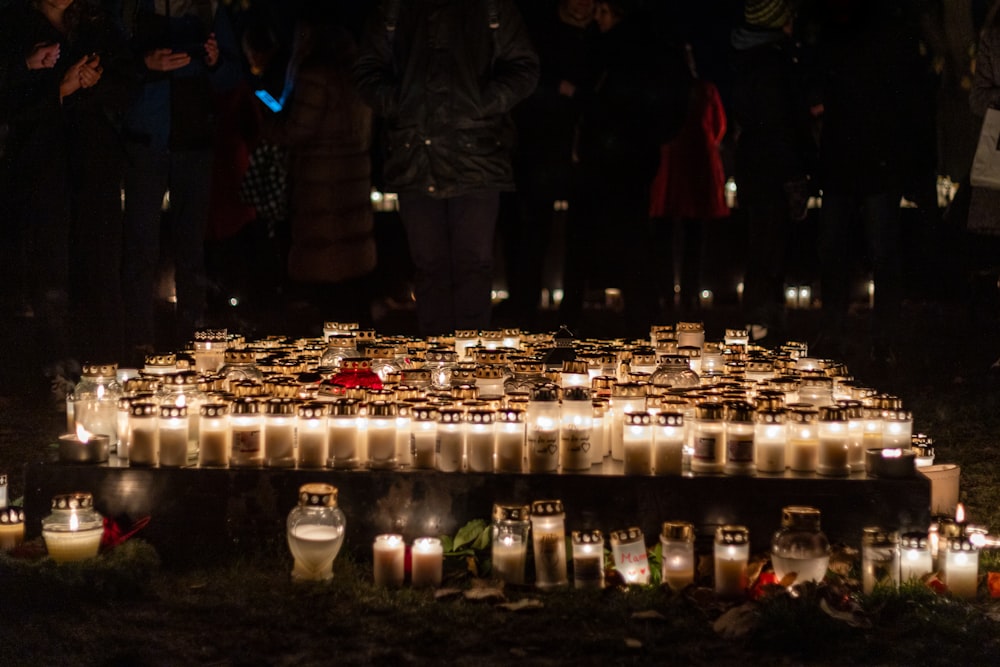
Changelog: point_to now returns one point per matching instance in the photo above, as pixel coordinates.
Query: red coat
(690, 182)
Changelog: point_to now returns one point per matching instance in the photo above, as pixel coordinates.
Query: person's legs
(836, 222)
(881, 218)
(691, 251)
(763, 280)
(472, 222)
(427, 234)
(190, 187)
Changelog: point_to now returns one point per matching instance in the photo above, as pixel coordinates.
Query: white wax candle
(450, 448)
(914, 564)
(677, 568)
(246, 440)
(588, 566)
(427, 562)
(382, 443)
(11, 534)
(510, 448)
(343, 441)
(314, 548)
(730, 573)
(574, 447)
(388, 560)
(214, 446)
(543, 449)
(173, 446)
(68, 546)
(769, 449)
(144, 445)
(423, 441)
(668, 451)
(802, 453)
(833, 456)
(313, 449)
(279, 439)
(479, 444)
(637, 454)
(961, 573)
(404, 456)
(509, 556)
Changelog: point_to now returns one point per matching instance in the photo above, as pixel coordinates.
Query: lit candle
(739, 430)
(731, 551)
(173, 428)
(770, 440)
(450, 447)
(890, 463)
(278, 433)
(404, 457)
(588, 559)
(83, 447)
(381, 434)
(833, 454)
(215, 439)
(11, 523)
(961, 567)
(599, 430)
(427, 558)
(915, 556)
(389, 553)
(510, 438)
(543, 429)
(312, 436)
(423, 436)
(244, 422)
(628, 548)
(637, 444)
(677, 548)
(668, 443)
(880, 563)
(549, 541)
(343, 425)
(144, 436)
(803, 439)
(73, 530)
(576, 428)
(511, 524)
(709, 438)
(480, 439)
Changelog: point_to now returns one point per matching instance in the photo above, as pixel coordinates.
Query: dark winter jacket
(445, 81)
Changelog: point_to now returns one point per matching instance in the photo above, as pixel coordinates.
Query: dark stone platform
(200, 514)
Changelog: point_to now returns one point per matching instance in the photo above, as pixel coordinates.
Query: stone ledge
(197, 512)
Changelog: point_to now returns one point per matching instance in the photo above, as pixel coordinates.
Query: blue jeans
(451, 244)
(149, 174)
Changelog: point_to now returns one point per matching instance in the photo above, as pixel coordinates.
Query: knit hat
(772, 14)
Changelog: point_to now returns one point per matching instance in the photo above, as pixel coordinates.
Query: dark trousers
(763, 282)
(876, 218)
(688, 254)
(150, 173)
(451, 244)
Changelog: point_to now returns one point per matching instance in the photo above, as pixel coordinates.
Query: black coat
(445, 81)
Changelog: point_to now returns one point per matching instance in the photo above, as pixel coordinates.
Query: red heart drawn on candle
(642, 571)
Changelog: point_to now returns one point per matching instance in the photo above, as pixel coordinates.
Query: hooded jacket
(444, 75)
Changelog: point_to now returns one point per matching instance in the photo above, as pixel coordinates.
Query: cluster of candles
(496, 401)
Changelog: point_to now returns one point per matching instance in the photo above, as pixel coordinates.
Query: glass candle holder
(315, 532)
(210, 349)
(677, 559)
(897, 429)
(423, 437)
(588, 559)
(854, 412)
(637, 445)
(709, 438)
(279, 423)
(880, 563)
(668, 443)
(450, 448)
(244, 421)
(95, 400)
(872, 423)
(173, 430)
(342, 423)
(923, 450)
(215, 439)
(548, 532)
(427, 562)
(542, 429)
(740, 432)
(625, 397)
(404, 456)
(770, 440)
(389, 559)
(731, 554)
(490, 379)
(803, 439)
(576, 427)
(833, 454)
(915, 559)
(72, 532)
(123, 415)
(144, 435)
(381, 434)
(628, 548)
(480, 439)
(11, 527)
(510, 440)
(961, 567)
(182, 389)
(800, 547)
(312, 436)
(509, 544)
(690, 334)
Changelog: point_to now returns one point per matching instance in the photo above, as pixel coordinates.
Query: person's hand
(211, 51)
(71, 79)
(165, 60)
(43, 56)
(91, 71)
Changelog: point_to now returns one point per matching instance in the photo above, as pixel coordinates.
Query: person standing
(187, 52)
(444, 75)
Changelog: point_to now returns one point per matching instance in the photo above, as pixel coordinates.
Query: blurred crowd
(239, 143)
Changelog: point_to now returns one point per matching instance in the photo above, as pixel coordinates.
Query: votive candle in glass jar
(668, 443)
(389, 559)
(740, 432)
(872, 420)
(625, 397)
(548, 532)
(423, 436)
(510, 440)
(709, 437)
(144, 434)
(509, 544)
(279, 433)
(599, 430)
(915, 559)
(628, 549)
(404, 456)
(450, 448)
(833, 455)
(313, 435)
(173, 429)
(897, 429)
(381, 434)
(770, 440)
(854, 413)
(880, 564)
(344, 433)
(803, 439)
(588, 559)
(315, 532)
(637, 445)
(124, 413)
(731, 554)
(542, 429)
(426, 562)
(215, 439)
(244, 421)
(800, 547)
(480, 439)
(961, 567)
(72, 532)
(576, 428)
(677, 554)
(690, 334)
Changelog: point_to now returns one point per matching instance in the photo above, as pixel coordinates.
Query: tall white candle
(427, 562)
(389, 553)
(961, 567)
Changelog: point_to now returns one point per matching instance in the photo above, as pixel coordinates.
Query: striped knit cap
(773, 14)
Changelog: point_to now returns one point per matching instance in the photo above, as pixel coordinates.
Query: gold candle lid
(626, 536)
(318, 495)
(682, 531)
(511, 512)
(582, 537)
(546, 508)
(734, 535)
(73, 501)
(11, 516)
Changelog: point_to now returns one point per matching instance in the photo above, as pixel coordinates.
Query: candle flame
(978, 539)
(82, 434)
(74, 522)
(892, 453)
(181, 401)
(100, 392)
(960, 513)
